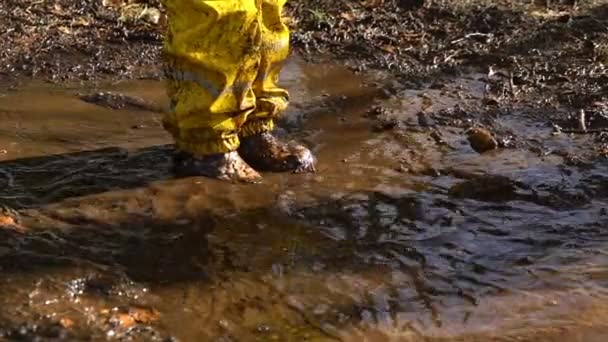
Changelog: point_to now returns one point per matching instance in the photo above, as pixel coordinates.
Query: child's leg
(212, 53)
(271, 99)
(259, 147)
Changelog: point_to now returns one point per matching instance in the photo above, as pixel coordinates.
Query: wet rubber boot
(224, 166)
(265, 152)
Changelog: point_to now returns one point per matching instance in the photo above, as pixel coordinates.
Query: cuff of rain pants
(203, 148)
(202, 142)
(256, 126)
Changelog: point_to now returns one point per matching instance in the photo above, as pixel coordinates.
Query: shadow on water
(351, 265)
(36, 181)
(464, 253)
(510, 242)
(37, 169)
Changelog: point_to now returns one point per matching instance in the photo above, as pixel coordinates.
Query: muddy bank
(557, 52)
(549, 58)
(461, 196)
(543, 55)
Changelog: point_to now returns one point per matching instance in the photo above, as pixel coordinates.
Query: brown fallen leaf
(112, 3)
(427, 102)
(57, 9)
(123, 320)
(9, 220)
(144, 315)
(128, 317)
(81, 21)
(348, 16)
(6, 220)
(64, 30)
(66, 322)
(388, 48)
(373, 3)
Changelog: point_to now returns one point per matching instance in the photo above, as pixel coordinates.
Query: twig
(559, 129)
(587, 131)
(471, 35)
(512, 84)
(581, 120)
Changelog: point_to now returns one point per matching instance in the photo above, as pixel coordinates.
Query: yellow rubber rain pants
(222, 62)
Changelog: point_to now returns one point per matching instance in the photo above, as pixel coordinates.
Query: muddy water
(396, 238)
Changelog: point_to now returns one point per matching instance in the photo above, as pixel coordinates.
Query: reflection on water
(505, 245)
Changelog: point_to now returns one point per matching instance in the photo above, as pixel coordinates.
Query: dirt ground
(550, 55)
(462, 194)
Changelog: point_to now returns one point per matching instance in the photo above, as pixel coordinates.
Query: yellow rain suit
(222, 62)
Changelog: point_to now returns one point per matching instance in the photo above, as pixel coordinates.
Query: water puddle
(403, 235)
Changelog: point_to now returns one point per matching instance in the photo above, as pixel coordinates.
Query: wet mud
(405, 233)
(460, 194)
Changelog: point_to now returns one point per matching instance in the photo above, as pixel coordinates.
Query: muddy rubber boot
(224, 166)
(267, 153)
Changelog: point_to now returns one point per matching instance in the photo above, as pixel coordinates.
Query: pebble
(481, 140)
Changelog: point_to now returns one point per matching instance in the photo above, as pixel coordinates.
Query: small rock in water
(118, 101)
(223, 324)
(385, 125)
(263, 328)
(9, 219)
(129, 317)
(481, 139)
(66, 322)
